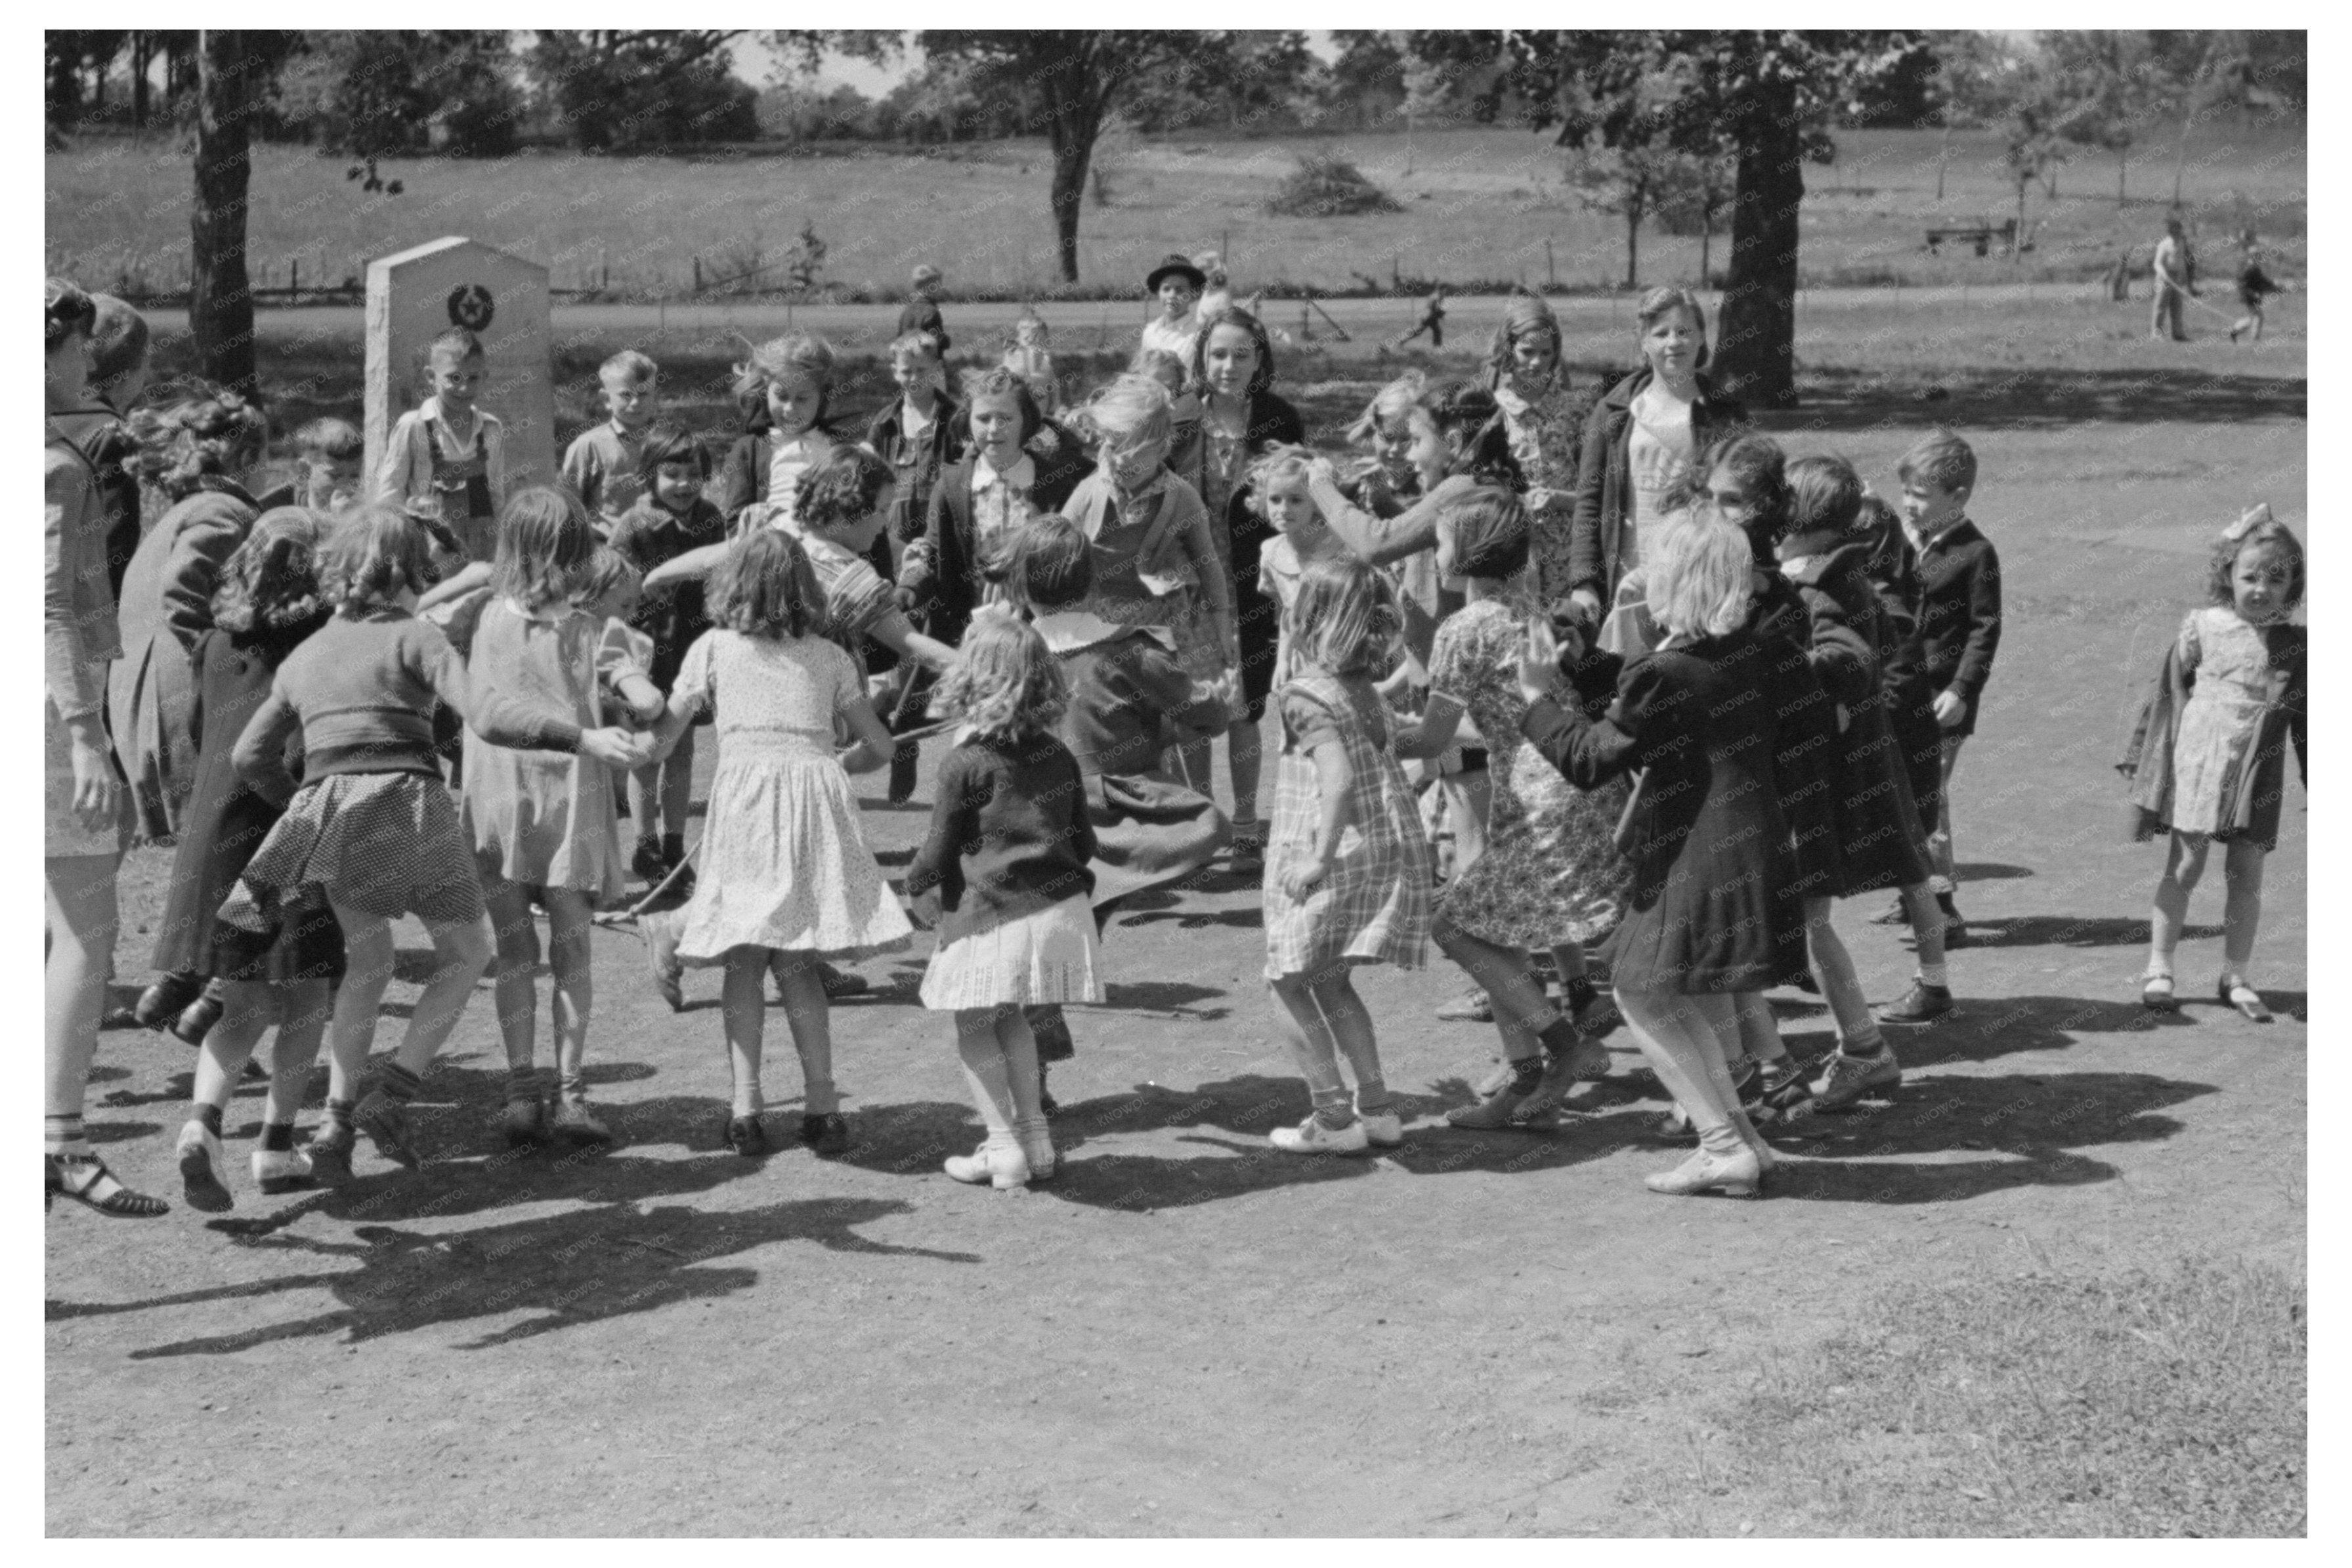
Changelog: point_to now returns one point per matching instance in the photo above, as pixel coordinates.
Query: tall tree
(1076, 77)
(2112, 87)
(1771, 93)
(220, 297)
(621, 89)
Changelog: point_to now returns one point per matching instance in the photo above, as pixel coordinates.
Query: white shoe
(1312, 1137)
(1382, 1129)
(281, 1170)
(998, 1164)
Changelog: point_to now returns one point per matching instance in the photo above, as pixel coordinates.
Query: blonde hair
(1279, 462)
(1005, 682)
(1658, 302)
(629, 368)
(794, 353)
(1132, 410)
(1698, 579)
(1345, 617)
(1398, 399)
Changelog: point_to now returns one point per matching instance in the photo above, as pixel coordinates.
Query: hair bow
(2256, 515)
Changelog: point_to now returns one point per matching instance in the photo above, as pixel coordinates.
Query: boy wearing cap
(1177, 283)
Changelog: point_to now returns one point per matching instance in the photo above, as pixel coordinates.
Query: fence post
(294, 282)
(698, 274)
(1551, 274)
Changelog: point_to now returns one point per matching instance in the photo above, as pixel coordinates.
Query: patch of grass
(2153, 1403)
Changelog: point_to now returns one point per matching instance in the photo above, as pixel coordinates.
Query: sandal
(2156, 994)
(88, 1182)
(2245, 999)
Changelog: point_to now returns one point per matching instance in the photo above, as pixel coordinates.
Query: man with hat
(1178, 284)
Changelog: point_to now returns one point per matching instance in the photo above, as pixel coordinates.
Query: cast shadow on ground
(2005, 1026)
(1837, 398)
(578, 1267)
(1988, 870)
(2069, 931)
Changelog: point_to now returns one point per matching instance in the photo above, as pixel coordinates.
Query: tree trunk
(220, 299)
(1632, 244)
(1705, 247)
(2018, 234)
(2122, 156)
(1074, 101)
(1071, 156)
(64, 91)
(142, 57)
(1755, 356)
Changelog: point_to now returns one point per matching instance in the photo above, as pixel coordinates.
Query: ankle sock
(338, 1114)
(1525, 1074)
(208, 1117)
(397, 1084)
(1934, 975)
(62, 1137)
(1558, 1037)
(571, 1086)
(1373, 1097)
(1580, 993)
(1337, 1117)
(523, 1084)
(277, 1137)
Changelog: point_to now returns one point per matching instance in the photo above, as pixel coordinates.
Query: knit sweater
(362, 692)
(1009, 835)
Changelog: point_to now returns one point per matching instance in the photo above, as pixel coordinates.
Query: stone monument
(419, 294)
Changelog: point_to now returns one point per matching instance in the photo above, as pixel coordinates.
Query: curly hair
(2221, 569)
(1397, 399)
(1469, 411)
(544, 539)
(1277, 461)
(1345, 617)
(846, 485)
(766, 588)
(66, 311)
(208, 434)
(1761, 468)
(1261, 376)
(1491, 531)
(373, 552)
(802, 354)
(1131, 410)
(1005, 682)
(271, 582)
(998, 382)
(1698, 579)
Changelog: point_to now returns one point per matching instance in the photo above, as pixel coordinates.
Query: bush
(1329, 186)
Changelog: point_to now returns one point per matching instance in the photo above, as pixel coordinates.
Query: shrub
(1329, 186)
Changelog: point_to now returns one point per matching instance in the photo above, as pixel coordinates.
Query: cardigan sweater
(1009, 835)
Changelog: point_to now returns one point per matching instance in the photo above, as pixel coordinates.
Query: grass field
(1480, 206)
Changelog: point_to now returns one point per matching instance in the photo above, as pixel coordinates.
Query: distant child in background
(2255, 285)
(1960, 622)
(1003, 876)
(786, 869)
(267, 603)
(1183, 403)
(1546, 419)
(447, 458)
(603, 465)
(1028, 359)
(786, 384)
(1346, 869)
(916, 435)
(371, 827)
(330, 456)
(541, 824)
(2208, 761)
(1176, 284)
(922, 311)
(670, 520)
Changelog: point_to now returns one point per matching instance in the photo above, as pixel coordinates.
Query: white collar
(1067, 631)
(1021, 475)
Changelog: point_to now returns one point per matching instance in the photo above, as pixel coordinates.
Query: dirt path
(1186, 1333)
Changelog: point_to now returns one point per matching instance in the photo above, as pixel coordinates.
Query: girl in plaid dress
(1347, 875)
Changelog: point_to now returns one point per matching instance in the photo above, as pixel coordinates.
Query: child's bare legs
(1927, 919)
(1755, 1033)
(367, 970)
(1241, 747)
(83, 918)
(2184, 863)
(1193, 761)
(302, 1010)
(800, 978)
(247, 1009)
(461, 951)
(1351, 1023)
(743, 1004)
(1000, 1068)
(1313, 1050)
(574, 998)
(1521, 1012)
(1841, 987)
(1467, 795)
(514, 983)
(2242, 868)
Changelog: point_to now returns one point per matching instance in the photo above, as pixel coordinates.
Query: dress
(1546, 432)
(224, 821)
(2228, 663)
(1551, 871)
(1374, 905)
(542, 819)
(783, 863)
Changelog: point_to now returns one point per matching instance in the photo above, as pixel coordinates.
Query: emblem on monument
(470, 306)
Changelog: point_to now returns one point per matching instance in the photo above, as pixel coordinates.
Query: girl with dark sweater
(1004, 877)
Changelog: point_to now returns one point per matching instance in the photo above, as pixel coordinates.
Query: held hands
(96, 790)
(1585, 606)
(1949, 709)
(614, 748)
(1538, 662)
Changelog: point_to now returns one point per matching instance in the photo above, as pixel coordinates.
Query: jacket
(1959, 615)
(1604, 497)
(2252, 803)
(942, 570)
(916, 463)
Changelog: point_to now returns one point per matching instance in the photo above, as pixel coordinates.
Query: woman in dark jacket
(1241, 416)
(1643, 433)
(1714, 910)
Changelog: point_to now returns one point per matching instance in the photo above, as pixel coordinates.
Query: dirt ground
(1186, 1333)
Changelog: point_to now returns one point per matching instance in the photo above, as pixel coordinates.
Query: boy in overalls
(446, 459)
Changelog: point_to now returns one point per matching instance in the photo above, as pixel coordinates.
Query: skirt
(784, 864)
(1150, 831)
(64, 833)
(1048, 957)
(385, 845)
(542, 819)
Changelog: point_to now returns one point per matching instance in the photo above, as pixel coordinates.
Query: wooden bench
(1981, 235)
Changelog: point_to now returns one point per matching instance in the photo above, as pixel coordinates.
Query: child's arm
(471, 575)
(939, 863)
(396, 479)
(502, 719)
(259, 755)
(875, 742)
(1215, 589)
(1333, 780)
(1439, 730)
(622, 668)
(583, 472)
(1984, 637)
(896, 632)
(699, 562)
(1379, 540)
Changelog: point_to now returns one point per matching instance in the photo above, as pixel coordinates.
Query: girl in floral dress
(1550, 875)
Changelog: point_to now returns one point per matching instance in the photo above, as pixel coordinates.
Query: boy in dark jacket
(1960, 622)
